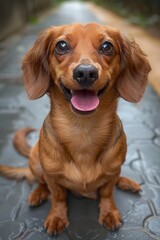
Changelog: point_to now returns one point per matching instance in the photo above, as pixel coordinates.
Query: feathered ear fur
(35, 66)
(134, 69)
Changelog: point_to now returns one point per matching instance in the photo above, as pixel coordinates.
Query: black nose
(85, 75)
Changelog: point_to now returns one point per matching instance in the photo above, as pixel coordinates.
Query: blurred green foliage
(56, 2)
(141, 12)
(34, 19)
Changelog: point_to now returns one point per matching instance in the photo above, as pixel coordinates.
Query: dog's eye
(106, 48)
(62, 47)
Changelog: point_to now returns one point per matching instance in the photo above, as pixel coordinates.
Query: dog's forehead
(85, 27)
(86, 31)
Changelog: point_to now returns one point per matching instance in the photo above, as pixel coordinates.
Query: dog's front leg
(109, 214)
(57, 219)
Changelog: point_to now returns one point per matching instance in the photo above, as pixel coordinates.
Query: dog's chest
(83, 166)
(83, 179)
(78, 168)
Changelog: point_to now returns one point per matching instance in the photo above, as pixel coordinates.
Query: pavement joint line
(152, 208)
(151, 234)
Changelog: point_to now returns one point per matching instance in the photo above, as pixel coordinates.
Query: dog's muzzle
(83, 101)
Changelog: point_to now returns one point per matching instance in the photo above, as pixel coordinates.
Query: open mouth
(83, 101)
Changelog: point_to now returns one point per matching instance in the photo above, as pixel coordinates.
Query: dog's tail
(17, 173)
(20, 143)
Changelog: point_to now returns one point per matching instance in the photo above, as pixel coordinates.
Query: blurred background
(15, 13)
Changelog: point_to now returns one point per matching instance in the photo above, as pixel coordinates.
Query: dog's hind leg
(39, 195)
(127, 184)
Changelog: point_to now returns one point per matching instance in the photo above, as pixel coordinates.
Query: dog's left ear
(134, 69)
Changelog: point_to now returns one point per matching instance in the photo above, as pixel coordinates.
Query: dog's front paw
(111, 220)
(55, 224)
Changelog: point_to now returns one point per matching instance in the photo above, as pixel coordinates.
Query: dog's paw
(127, 184)
(36, 198)
(111, 220)
(55, 225)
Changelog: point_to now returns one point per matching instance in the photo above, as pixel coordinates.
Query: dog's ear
(35, 66)
(134, 69)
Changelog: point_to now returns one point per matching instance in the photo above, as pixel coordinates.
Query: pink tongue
(84, 100)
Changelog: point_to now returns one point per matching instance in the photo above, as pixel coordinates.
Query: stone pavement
(140, 212)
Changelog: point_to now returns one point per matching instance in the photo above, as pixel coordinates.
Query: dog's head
(84, 62)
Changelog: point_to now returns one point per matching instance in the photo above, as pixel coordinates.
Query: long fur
(21, 145)
(17, 173)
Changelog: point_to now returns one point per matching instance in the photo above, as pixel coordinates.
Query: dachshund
(84, 69)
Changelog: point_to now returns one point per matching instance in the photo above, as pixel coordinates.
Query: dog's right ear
(35, 66)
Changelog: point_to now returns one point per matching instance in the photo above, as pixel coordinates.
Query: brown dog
(82, 145)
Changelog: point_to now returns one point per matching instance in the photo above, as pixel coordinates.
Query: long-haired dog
(84, 69)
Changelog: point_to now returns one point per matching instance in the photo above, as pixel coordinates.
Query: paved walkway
(140, 212)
